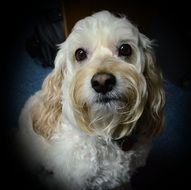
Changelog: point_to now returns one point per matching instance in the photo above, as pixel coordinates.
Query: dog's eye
(80, 54)
(124, 50)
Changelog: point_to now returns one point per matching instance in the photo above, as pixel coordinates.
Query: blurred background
(31, 31)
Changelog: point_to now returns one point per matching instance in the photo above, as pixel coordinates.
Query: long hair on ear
(153, 114)
(47, 114)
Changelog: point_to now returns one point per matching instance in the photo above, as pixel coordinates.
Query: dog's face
(107, 79)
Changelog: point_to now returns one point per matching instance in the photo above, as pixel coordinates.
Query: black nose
(103, 82)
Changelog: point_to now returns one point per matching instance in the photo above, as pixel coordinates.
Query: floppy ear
(47, 113)
(153, 115)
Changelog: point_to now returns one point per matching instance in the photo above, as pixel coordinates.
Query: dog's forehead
(104, 25)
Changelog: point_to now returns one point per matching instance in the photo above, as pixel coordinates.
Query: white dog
(92, 123)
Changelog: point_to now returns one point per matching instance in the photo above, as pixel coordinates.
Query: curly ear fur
(153, 116)
(46, 115)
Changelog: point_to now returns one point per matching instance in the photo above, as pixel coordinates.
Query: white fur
(80, 160)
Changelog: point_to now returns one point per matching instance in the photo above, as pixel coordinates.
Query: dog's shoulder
(28, 111)
(30, 143)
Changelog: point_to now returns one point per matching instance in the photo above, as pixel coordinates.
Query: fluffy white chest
(79, 161)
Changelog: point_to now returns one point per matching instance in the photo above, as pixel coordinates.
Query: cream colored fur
(64, 130)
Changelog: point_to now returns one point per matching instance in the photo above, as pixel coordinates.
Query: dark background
(168, 165)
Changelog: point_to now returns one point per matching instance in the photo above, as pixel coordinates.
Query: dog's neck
(125, 143)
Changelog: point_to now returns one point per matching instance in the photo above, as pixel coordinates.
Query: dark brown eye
(80, 54)
(124, 50)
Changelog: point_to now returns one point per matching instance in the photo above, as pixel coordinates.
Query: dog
(92, 123)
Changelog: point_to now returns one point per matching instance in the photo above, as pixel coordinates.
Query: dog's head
(105, 81)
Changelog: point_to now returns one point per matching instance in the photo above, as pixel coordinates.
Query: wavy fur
(70, 132)
(47, 114)
(153, 116)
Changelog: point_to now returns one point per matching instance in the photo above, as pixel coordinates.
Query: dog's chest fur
(75, 160)
(90, 162)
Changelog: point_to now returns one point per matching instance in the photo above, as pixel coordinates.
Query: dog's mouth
(107, 99)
